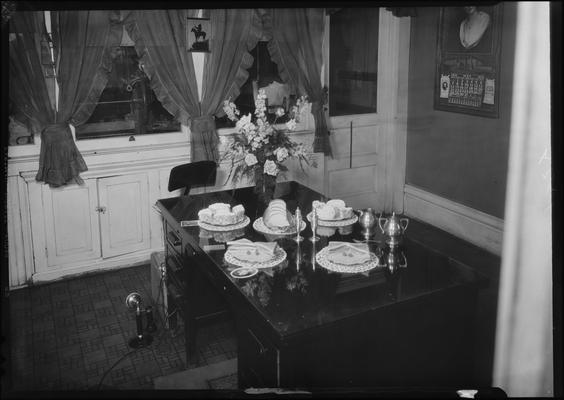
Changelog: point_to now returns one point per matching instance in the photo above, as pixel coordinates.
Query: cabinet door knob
(101, 209)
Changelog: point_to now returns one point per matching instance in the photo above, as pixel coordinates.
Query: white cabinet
(108, 222)
(124, 214)
(78, 227)
(71, 223)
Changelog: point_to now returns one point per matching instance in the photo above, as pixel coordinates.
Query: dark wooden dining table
(408, 322)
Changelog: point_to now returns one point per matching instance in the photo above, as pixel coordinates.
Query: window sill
(122, 144)
(113, 144)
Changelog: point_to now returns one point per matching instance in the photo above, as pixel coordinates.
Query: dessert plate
(334, 223)
(224, 228)
(323, 258)
(277, 258)
(259, 226)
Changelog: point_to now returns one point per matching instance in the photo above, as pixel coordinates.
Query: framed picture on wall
(468, 58)
(197, 34)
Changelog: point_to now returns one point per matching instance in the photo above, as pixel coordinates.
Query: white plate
(243, 272)
(224, 228)
(334, 223)
(279, 256)
(323, 260)
(262, 228)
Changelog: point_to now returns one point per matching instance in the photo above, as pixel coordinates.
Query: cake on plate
(222, 214)
(333, 210)
(276, 217)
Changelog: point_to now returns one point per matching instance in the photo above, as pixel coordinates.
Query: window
(263, 74)
(353, 61)
(127, 106)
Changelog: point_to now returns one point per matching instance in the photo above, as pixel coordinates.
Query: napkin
(246, 250)
(348, 253)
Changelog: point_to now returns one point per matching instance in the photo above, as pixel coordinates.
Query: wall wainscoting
(474, 226)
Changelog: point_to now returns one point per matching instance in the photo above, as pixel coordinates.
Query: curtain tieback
(55, 133)
(202, 124)
(316, 107)
(204, 138)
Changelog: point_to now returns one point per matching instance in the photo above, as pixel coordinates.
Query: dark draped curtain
(160, 41)
(27, 87)
(234, 32)
(296, 47)
(83, 62)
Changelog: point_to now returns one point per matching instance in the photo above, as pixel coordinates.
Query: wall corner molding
(474, 226)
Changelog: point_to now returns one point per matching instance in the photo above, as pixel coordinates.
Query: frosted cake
(222, 214)
(333, 210)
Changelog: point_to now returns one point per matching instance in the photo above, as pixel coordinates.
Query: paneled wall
(369, 170)
(459, 157)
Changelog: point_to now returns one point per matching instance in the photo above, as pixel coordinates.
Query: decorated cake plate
(334, 223)
(279, 256)
(259, 226)
(324, 260)
(224, 228)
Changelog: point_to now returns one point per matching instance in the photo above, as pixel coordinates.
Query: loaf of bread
(276, 217)
(333, 210)
(222, 214)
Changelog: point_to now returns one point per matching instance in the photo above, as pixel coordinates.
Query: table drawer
(173, 239)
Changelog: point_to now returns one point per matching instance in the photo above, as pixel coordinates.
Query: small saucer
(243, 272)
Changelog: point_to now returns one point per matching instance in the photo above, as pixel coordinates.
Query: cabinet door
(71, 223)
(124, 219)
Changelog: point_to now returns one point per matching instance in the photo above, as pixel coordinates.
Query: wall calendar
(468, 50)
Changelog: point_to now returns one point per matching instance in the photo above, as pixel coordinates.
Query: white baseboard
(474, 226)
(127, 260)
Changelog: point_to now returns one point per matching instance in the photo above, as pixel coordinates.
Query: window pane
(263, 74)
(127, 105)
(353, 61)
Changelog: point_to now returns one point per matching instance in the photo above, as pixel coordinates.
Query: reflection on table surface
(298, 293)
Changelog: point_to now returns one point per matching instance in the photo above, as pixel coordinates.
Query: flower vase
(264, 187)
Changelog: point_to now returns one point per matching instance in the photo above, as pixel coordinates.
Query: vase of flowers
(260, 149)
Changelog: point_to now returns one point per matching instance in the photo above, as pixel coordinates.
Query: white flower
(281, 154)
(299, 108)
(270, 168)
(245, 126)
(250, 159)
(279, 111)
(243, 122)
(230, 110)
(291, 125)
(260, 103)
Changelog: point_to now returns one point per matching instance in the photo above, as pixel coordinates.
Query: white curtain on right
(523, 364)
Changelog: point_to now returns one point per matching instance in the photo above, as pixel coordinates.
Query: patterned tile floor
(67, 335)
